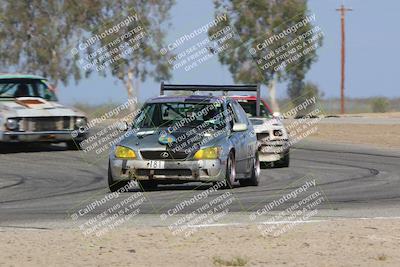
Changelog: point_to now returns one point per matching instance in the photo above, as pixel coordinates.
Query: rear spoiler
(214, 88)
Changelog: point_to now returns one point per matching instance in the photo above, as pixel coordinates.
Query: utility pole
(342, 11)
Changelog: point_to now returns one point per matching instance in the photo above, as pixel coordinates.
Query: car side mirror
(239, 127)
(123, 126)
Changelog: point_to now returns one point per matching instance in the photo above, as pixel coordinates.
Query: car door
(248, 144)
(238, 139)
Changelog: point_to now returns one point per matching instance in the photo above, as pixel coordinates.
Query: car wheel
(265, 164)
(230, 174)
(71, 145)
(114, 185)
(255, 174)
(147, 185)
(284, 162)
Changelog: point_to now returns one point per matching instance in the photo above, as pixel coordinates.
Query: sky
(372, 54)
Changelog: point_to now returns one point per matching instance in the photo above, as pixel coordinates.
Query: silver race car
(177, 139)
(29, 112)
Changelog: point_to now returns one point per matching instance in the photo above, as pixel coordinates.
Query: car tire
(71, 145)
(265, 165)
(114, 185)
(147, 185)
(230, 173)
(284, 162)
(255, 174)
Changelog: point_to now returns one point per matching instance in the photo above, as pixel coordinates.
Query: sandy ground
(379, 136)
(333, 243)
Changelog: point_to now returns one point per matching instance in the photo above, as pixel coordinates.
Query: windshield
(26, 88)
(249, 107)
(180, 115)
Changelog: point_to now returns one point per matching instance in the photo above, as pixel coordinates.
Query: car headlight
(208, 153)
(124, 153)
(80, 122)
(12, 124)
(278, 132)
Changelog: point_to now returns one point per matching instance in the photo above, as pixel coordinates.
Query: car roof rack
(207, 88)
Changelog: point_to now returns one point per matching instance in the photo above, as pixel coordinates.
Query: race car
(271, 133)
(29, 112)
(178, 139)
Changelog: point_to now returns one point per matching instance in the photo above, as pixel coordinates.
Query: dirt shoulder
(333, 243)
(374, 115)
(374, 135)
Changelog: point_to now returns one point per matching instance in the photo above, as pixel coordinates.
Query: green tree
(45, 37)
(255, 21)
(35, 36)
(145, 60)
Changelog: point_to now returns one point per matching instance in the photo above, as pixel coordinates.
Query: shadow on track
(181, 187)
(11, 148)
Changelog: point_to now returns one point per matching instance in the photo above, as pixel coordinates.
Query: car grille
(166, 172)
(163, 154)
(38, 124)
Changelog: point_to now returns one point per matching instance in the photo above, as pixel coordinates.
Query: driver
(22, 90)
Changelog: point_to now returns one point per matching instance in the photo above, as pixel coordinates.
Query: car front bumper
(172, 170)
(273, 150)
(43, 136)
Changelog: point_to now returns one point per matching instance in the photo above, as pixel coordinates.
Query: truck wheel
(255, 174)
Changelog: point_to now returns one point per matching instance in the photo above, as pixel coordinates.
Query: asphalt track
(49, 183)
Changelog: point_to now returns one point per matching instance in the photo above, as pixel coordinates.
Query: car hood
(262, 124)
(35, 107)
(148, 139)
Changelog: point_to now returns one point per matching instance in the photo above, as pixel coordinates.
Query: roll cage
(214, 88)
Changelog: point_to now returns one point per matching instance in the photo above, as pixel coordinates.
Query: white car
(29, 112)
(272, 136)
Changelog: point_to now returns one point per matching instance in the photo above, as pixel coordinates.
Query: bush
(380, 104)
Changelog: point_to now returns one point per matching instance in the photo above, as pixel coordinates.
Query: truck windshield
(181, 115)
(25, 88)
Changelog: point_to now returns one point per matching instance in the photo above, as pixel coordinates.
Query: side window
(42, 90)
(231, 116)
(242, 117)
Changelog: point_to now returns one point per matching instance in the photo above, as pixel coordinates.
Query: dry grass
(237, 261)
(382, 257)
